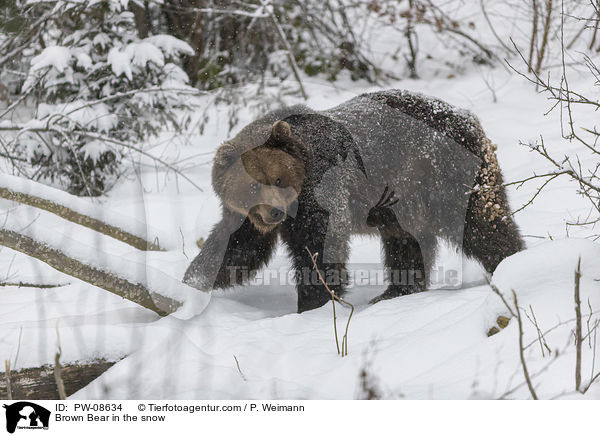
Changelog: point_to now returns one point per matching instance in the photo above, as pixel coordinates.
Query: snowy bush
(98, 88)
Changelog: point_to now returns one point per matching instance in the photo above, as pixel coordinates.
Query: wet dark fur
(325, 218)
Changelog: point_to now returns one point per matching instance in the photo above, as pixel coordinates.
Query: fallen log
(127, 275)
(136, 292)
(39, 383)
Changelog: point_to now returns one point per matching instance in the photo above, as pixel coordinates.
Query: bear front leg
(405, 266)
(231, 255)
(403, 256)
(310, 231)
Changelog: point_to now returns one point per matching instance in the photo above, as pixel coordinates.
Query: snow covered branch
(126, 89)
(19, 190)
(47, 127)
(110, 282)
(127, 275)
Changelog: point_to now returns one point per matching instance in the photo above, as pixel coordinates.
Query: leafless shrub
(412, 16)
(583, 171)
(334, 298)
(579, 339)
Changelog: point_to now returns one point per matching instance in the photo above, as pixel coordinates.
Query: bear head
(262, 181)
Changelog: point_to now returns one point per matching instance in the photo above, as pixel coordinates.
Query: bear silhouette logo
(24, 414)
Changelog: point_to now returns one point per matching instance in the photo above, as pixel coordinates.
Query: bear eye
(277, 182)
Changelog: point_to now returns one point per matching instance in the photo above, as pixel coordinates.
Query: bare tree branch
(521, 349)
(288, 48)
(578, 338)
(545, 33)
(533, 34)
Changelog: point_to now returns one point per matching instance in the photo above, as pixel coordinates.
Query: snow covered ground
(249, 342)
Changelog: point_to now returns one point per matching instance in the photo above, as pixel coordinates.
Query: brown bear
(408, 168)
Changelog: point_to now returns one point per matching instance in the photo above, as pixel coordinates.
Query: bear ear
(281, 130)
(226, 155)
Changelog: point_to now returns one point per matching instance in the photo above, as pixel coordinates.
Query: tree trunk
(140, 15)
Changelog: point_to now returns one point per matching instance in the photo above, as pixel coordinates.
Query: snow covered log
(39, 384)
(53, 200)
(101, 262)
(60, 261)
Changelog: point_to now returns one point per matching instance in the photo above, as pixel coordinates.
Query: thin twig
(33, 285)
(541, 338)
(535, 374)
(344, 351)
(288, 48)
(19, 100)
(521, 349)
(578, 339)
(239, 369)
(593, 377)
(314, 260)
(7, 377)
(537, 192)
(497, 292)
(493, 29)
(554, 327)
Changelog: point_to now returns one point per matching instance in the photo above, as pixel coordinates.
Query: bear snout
(266, 217)
(277, 214)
